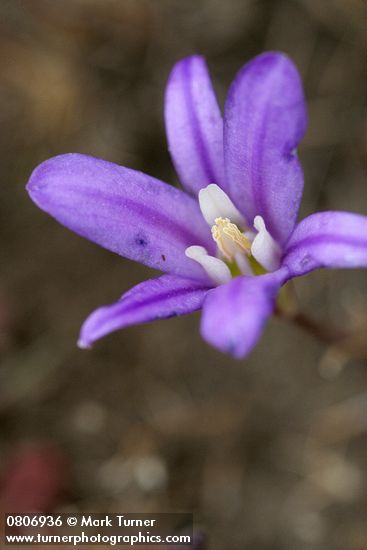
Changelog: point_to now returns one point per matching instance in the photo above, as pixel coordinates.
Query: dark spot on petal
(163, 257)
(141, 240)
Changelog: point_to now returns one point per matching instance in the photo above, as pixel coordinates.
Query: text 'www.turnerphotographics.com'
(107, 529)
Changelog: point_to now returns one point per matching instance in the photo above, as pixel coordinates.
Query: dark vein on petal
(197, 134)
(159, 298)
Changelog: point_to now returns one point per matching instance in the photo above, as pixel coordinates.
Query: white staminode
(215, 203)
(217, 270)
(264, 248)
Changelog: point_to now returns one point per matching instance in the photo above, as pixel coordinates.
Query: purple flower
(230, 240)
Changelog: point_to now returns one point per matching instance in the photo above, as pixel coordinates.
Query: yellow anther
(229, 238)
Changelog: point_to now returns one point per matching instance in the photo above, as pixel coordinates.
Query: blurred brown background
(269, 453)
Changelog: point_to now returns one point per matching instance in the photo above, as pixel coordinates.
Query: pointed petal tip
(38, 180)
(181, 66)
(187, 60)
(270, 58)
(265, 61)
(83, 344)
(34, 183)
(44, 180)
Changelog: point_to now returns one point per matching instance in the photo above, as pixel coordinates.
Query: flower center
(252, 252)
(229, 239)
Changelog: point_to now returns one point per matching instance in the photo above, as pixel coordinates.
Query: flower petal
(234, 314)
(154, 299)
(125, 211)
(327, 239)
(194, 125)
(265, 118)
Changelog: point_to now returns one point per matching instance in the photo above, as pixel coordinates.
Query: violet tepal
(230, 240)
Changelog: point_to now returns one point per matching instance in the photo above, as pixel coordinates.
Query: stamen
(229, 238)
